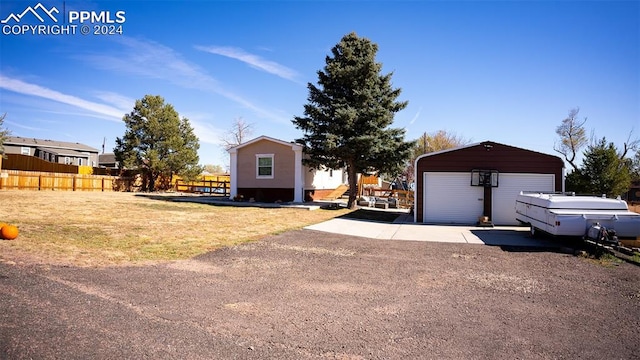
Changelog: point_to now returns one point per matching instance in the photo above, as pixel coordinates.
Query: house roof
(107, 158)
(267, 138)
(483, 143)
(51, 144)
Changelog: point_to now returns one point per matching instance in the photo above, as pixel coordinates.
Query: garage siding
(449, 198)
(487, 155)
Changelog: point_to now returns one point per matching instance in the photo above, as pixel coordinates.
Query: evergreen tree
(602, 172)
(158, 143)
(348, 115)
(635, 167)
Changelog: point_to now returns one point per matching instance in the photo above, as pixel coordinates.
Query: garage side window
(264, 166)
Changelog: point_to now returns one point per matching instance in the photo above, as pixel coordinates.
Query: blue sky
(506, 71)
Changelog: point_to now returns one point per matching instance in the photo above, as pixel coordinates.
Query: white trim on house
(271, 175)
(260, 138)
(298, 180)
(233, 173)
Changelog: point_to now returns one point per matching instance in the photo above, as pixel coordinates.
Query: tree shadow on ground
(371, 215)
(162, 197)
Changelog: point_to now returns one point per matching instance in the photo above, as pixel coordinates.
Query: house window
(25, 150)
(67, 160)
(79, 161)
(264, 166)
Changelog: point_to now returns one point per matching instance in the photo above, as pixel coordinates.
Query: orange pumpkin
(9, 232)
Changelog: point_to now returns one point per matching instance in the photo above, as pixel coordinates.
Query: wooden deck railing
(220, 188)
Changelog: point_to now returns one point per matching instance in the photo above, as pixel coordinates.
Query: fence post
(102, 184)
(73, 182)
(39, 182)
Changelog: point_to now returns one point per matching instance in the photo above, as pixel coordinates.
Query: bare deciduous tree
(572, 137)
(427, 143)
(237, 134)
(631, 144)
(440, 140)
(3, 133)
(213, 169)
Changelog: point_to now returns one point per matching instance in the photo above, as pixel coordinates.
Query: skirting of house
(266, 194)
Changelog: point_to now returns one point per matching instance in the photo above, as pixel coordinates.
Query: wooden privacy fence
(31, 163)
(34, 180)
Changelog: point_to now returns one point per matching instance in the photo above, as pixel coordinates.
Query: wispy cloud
(415, 117)
(18, 86)
(254, 61)
(204, 130)
(22, 126)
(153, 60)
(115, 99)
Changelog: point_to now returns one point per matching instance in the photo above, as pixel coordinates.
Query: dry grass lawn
(99, 229)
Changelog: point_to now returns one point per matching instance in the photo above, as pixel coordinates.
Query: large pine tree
(348, 115)
(603, 171)
(157, 143)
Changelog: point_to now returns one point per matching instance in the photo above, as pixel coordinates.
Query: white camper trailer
(571, 215)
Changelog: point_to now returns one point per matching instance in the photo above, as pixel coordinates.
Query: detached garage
(458, 186)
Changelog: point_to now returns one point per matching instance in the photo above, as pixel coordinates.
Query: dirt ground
(309, 295)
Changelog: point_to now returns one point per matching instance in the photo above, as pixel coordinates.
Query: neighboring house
(268, 170)
(460, 185)
(108, 161)
(53, 151)
(633, 195)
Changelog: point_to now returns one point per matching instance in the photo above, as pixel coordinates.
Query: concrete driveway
(400, 230)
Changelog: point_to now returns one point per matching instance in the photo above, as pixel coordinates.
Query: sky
(504, 71)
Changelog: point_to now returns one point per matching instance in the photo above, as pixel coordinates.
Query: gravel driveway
(307, 294)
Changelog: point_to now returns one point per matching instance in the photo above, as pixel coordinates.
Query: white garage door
(449, 198)
(503, 199)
